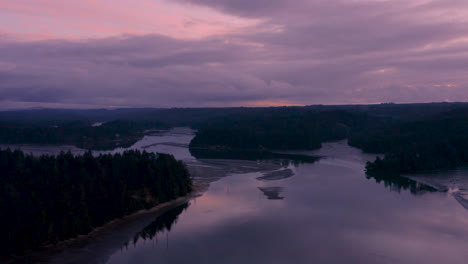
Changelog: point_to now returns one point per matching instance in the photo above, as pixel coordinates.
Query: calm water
(321, 212)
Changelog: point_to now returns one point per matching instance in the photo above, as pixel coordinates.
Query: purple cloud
(302, 52)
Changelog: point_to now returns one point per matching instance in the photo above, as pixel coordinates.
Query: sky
(219, 53)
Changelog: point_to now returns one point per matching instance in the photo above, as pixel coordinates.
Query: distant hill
(197, 116)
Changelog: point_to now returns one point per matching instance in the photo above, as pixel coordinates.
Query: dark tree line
(47, 199)
(310, 125)
(282, 128)
(107, 136)
(413, 137)
(438, 142)
(196, 116)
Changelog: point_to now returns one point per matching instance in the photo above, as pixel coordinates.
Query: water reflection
(163, 223)
(396, 183)
(276, 175)
(272, 193)
(328, 213)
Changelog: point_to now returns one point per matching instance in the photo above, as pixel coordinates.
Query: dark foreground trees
(51, 198)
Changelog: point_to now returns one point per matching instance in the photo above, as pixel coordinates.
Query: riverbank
(103, 241)
(107, 238)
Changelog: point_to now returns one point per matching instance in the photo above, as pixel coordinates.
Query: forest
(281, 128)
(48, 199)
(237, 127)
(413, 137)
(437, 142)
(78, 133)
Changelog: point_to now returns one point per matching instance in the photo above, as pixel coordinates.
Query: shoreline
(97, 246)
(46, 253)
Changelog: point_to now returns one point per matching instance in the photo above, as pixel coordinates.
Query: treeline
(106, 136)
(280, 128)
(123, 127)
(438, 142)
(413, 137)
(47, 199)
(169, 116)
(197, 116)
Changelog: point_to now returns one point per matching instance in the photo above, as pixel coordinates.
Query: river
(279, 211)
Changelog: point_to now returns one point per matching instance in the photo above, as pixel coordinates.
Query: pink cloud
(101, 18)
(226, 52)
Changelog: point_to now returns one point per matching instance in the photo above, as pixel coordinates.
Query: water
(453, 181)
(325, 211)
(174, 142)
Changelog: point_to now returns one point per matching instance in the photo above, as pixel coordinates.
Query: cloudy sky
(185, 53)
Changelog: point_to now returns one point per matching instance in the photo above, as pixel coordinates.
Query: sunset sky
(193, 53)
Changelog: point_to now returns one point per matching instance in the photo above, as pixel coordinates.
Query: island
(47, 199)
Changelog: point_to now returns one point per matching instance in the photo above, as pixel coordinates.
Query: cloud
(72, 19)
(296, 52)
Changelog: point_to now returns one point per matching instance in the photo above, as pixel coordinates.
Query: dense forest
(413, 137)
(281, 128)
(51, 198)
(287, 127)
(194, 117)
(260, 131)
(437, 142)
(169, 116)
(78, 133)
